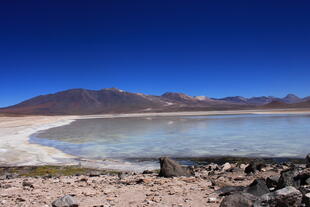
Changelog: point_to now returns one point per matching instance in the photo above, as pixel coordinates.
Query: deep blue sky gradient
(214, 48)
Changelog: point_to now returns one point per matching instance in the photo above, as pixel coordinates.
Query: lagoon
(255, 135)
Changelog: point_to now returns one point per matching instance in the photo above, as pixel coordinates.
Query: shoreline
(15, 132)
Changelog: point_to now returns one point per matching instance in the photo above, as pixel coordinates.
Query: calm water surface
(190, 136)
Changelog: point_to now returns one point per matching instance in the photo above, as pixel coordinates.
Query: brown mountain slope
(81, 101)
(112, 100)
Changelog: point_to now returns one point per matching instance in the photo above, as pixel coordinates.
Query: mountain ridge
(81, 101)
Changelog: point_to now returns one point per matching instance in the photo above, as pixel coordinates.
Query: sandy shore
(15, 148)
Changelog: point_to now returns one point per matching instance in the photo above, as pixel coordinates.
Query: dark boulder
(27, 184)
(147, 172)
(65, 201)
(170, 168)
(255, 165)
(272, 181)
(94, 174)
(286, 197)
(239, 199)
(304, 177)
(308, 160)
(289, 178)
(306, 199)
(258, 188)
(305, 191)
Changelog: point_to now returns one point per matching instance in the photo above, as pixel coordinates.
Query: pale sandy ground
(131, 191)
(14, 135)
(15, 148)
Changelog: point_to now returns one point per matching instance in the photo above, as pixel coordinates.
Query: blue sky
(213, 48)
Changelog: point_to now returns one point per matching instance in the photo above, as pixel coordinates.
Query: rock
(27, 184)
(243, 166)
(94, 174)
(308, 160)
(272, 181)
(213, 198)
(19, 199)
(10, 176)
(65, 201)
(239, 178)
(228, 190)
(288, 178)
(146, 172)
(145, 180)
(234, 169)
(255, 165)
(121, 175)
(170, 168)
(306, 199)
(304, 189)
(239, 199)
(303, 177)
(226, 166)
(258, 188)
(212, 167)
(286, 197)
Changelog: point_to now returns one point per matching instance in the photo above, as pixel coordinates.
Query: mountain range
(113, 100)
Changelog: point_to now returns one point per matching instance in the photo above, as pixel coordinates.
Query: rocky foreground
(228, 185)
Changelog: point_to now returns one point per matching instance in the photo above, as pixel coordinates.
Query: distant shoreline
(15, 149)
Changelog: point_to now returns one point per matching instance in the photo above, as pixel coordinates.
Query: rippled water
(189, 136)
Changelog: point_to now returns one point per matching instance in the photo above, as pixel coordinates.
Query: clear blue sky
(214, 48)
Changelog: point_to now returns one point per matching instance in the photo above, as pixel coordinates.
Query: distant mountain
(276, 105)
(291, 98)
(263, 100)
(179, 98)
(306, 98)
(82, 101)
(235, 99)
(282, 105)
(113, 100)
(258, 101)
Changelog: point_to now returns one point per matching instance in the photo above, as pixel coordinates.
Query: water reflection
(257, 135)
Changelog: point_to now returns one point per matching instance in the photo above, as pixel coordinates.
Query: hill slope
(113, 100)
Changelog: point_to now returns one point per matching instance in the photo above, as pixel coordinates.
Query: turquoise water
(188, 136)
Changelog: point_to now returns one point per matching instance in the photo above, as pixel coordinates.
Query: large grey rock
(170, 168)
(65, 201)
(239, 199)
(289, 178)
(255, 165)
(286, 197)
(258, 188)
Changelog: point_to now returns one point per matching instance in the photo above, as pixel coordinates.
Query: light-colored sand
(15, 148)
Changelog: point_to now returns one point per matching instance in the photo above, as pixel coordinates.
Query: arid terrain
(208, 186)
